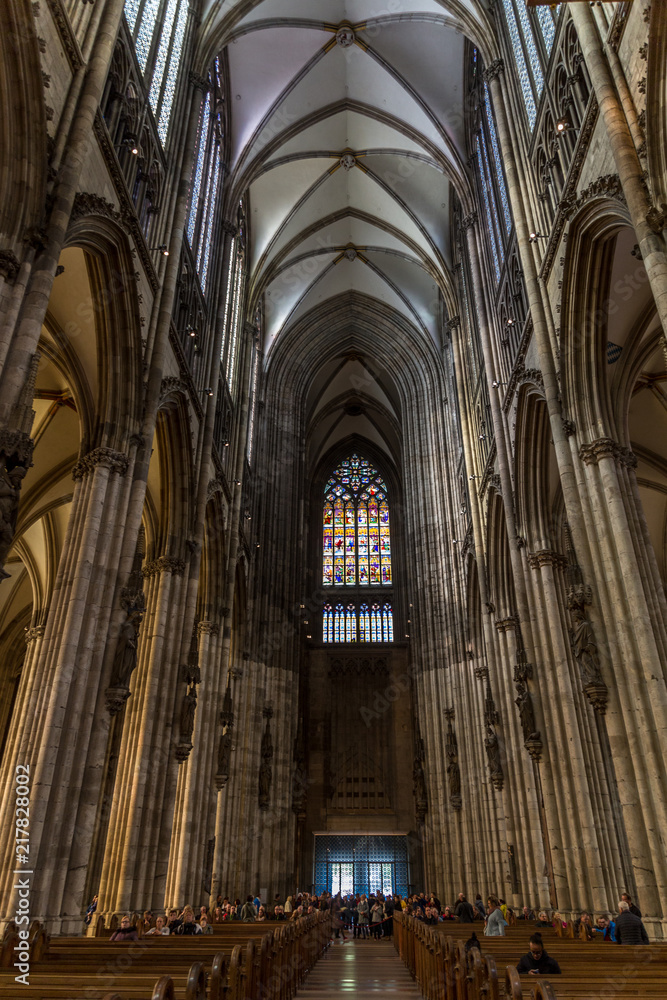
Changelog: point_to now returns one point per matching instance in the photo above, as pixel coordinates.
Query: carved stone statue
(526, 713)
(125, 659)
(224, 756)
(493, 756)
(419, 785)
(188, 707)
(585, 647)
(453, 770)
(265, 769)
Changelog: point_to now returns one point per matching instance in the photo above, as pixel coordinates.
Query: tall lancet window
(532, 41)
(158, 30)
(356, 554)
(204, 184)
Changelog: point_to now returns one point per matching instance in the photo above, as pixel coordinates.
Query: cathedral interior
(333, 451)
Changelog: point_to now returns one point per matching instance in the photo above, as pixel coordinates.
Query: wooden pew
(254, 963)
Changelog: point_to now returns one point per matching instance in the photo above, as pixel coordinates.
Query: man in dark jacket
(464, 910)
(629, 928)
(537, 962)
(633, 906)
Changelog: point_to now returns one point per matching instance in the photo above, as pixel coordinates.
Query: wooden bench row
(267, 966)
(437, 959)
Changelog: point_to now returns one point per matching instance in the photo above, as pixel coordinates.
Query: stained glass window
(525, 77)
(547, 21)
(356, 537)
(158, 28)
(490, 209)
(346, 623)
(500, 175)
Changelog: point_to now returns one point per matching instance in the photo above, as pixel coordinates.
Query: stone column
(26, 337)
(52, 728)
(648, 220)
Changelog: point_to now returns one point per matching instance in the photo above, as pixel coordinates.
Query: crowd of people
(365, 915)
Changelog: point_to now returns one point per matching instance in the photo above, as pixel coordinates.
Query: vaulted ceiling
(346, 126)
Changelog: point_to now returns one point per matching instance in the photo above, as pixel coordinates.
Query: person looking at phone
(537, 962)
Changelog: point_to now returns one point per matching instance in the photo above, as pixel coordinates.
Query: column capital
(115, 461)
(468, 221)
(493, 70)
(604, 447)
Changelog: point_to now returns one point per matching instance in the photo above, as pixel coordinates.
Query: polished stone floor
(358, 968)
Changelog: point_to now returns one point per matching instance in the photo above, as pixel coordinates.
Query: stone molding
(591, 453)
(108, 458)
(67, 36)
(605, 186)
(18, 444)
(468, 221)
(165, 564)
(522, 376)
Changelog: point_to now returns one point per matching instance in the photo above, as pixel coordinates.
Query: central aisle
(359, 967)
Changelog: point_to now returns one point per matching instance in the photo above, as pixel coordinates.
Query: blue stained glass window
(387, 624)
(328, 624)
(199, 170)
(206, 241)
(487, 206)
(547, 25)
(364, 624)
(351, 623)
(524, 75)
(172, 73)
(339, 623)
(531, 47)
(131, 11)
(500, 176)
(234, 324)
(146, 28)
(230, 290)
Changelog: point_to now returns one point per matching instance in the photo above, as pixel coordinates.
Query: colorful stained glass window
(356, 535)
(347, 623)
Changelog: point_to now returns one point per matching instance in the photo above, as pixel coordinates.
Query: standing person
(464, 910)
(634, 909)
(354, 904)
(248, 911)
(289, 906)
(479, 906)
(629, 927)
(537, 962)
(376, 920)
(388, 925)
(363, 911)
(495, 922)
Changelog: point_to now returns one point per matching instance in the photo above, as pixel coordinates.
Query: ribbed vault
(346, 138)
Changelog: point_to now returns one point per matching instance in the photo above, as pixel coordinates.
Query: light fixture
(226, 444)
(510, 322)
(191, 330)
(563, 125)
(237, 482)
(208, 390)
(164, 250)
(534, 237)
(482, 437)
(496, 384)
(473, 477)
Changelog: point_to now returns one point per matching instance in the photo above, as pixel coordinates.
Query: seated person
(125, 932)
(527, 914)
(447, 914)
(204, 925)
(542, 919)
(188, 926)
(160, 927)
(218, 915)
(173, 920)
(584, 921)
(203, 912)
(537, 962)
(606, 927)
